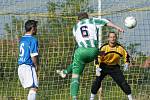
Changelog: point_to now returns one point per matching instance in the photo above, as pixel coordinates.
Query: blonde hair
(113, 33)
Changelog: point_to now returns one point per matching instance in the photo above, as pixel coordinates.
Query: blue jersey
(28, 47)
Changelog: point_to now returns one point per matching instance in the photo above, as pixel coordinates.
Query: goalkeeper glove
(98, 71)
(126, 65)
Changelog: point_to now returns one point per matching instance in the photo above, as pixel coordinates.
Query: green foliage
(13, 30)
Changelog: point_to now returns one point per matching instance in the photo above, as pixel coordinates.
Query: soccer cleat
(61, 73)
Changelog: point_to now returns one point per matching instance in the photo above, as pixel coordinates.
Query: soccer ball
(130, 22)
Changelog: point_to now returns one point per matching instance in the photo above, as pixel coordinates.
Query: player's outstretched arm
(115, 26)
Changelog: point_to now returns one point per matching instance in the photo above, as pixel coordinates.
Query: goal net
(56, 46)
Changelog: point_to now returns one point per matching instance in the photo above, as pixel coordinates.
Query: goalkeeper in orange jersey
(107, 63)
(85, 33)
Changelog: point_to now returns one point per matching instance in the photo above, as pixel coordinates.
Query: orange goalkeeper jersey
(111, 55)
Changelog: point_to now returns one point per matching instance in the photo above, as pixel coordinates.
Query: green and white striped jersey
(85, 31)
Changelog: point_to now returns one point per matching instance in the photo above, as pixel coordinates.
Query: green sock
(68, 69)
(74, 88)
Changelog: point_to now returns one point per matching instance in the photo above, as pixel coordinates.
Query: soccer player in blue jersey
(28, 60)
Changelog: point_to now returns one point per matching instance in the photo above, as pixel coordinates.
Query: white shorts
(27, 76)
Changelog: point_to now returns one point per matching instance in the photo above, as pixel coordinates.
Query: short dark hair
(29, 24)
(82, 15)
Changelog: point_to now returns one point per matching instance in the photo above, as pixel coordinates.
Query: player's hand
(126, 66)
(120, 29)
(98, 71)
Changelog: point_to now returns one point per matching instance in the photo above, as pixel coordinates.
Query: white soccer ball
(130, 22)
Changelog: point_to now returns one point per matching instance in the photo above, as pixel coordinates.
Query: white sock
(92, 96)
(32, 95)
(74, 97)
(130, 97)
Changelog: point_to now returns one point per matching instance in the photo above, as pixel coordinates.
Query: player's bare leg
(32, 94)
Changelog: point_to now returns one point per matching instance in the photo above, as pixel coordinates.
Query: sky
(22, 6)
(12, 7)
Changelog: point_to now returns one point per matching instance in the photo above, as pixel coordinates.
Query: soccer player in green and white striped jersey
(85, 33)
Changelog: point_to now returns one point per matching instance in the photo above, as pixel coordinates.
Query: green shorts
(81, 57)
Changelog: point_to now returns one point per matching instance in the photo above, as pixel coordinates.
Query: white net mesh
(56, 19)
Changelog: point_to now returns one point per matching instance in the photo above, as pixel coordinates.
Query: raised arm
(115, 26)
(106, 22)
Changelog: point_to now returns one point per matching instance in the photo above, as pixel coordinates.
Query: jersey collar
(27, 35)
